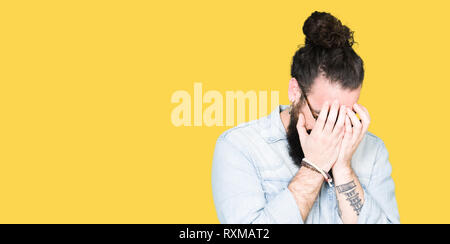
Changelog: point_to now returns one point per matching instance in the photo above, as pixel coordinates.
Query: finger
(347, 132)
(365, 120)
(356, 125)
(343, 131)
(340, 121)
(364, 108)
(364, 115)
(348, 129)
(301, 128)
(331, 120)
(340, 136)
(322, 117)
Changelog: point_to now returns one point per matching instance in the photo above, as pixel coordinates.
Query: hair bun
(325, 30)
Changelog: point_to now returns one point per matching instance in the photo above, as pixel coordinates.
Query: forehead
(323, 90)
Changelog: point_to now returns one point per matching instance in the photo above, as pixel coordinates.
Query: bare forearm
(350, 195)
(305, 187)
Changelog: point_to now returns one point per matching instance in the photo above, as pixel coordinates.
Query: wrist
(345, 169)
(323, 166)
(310, 165)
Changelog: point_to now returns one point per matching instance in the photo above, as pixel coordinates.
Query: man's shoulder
(371, 142)
(246, 132)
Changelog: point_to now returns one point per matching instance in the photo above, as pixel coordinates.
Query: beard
(294, 144)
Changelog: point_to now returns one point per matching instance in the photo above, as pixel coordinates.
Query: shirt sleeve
(380, 205)
(238, 194)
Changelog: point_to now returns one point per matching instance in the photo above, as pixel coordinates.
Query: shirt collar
(275, 131)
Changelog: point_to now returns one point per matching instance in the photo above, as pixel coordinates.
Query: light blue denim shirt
(252, 169)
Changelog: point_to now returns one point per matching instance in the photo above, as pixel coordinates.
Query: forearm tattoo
(349, 191)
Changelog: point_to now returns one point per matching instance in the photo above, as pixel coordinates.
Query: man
(313, 161)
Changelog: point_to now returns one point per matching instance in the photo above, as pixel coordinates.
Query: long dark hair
(328, 49)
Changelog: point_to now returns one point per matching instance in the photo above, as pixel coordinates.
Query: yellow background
(85, 88)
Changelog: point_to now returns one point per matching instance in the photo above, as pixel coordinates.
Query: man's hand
(322, 146)
(352, 136)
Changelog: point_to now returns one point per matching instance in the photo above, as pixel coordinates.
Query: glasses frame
(309, 106)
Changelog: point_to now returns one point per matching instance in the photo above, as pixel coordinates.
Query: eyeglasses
(310, 109)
